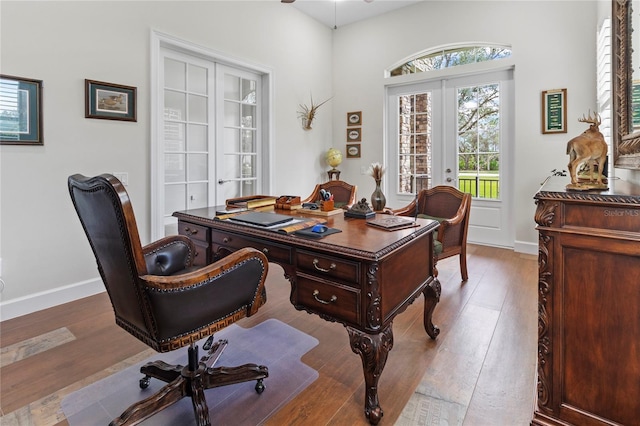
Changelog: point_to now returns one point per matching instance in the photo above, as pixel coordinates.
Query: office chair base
(189, 381)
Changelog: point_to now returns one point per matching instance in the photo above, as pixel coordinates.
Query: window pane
(174, 105)
(197, 80)
(198, 140)
(174, 72)
(249, 91)
(450, 58)
(198, 167)
(198, 195)
(248, 166)
(174, 198)
(248, 116)
(173, 136)
(231, 87)
(197, 108)
(232, 114)
(232, 140)
(248, 141)
(174, 168)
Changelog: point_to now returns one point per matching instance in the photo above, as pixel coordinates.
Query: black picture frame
(21, 111)
(108, 101)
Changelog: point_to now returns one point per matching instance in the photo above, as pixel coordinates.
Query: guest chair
(450, 207)
(160, 298)
(344, 195)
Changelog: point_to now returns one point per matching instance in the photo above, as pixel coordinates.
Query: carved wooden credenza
(588, 305)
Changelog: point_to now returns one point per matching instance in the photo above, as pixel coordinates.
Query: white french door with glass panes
(459, 132)
(208, 137)
(238, 153)
(187, 132)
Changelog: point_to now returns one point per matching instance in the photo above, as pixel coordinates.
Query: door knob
(449, 179)
(448, 170)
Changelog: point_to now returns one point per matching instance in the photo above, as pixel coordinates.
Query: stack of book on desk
(252, 202)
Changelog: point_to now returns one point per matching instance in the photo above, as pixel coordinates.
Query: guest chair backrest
(344, 194)
(451, 208)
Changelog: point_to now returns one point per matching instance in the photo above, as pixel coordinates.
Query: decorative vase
(378, 200)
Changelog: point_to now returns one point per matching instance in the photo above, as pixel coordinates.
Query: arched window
(450, 57)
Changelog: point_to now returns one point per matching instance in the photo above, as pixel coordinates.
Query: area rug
(271, 343)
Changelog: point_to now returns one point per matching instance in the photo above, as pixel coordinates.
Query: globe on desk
(334, 158)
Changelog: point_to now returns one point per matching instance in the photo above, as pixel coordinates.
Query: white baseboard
(47, 299)
(526, 247)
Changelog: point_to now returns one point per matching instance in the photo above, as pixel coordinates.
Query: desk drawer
(335, 300)
(275, 252)
(328, 267)
(195, 232)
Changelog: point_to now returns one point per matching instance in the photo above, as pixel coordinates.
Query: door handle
(449, 179)
(221, 181)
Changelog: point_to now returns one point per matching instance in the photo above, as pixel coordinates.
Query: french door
(456, 131)
(208, 146)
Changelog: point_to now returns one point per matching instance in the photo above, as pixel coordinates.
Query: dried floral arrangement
(307, 113)
(376, 171)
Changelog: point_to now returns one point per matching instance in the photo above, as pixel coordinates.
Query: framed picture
(554, 111)
(21, 109)
(109, 101)
(354, 135)
(353, 150)
(354, 118)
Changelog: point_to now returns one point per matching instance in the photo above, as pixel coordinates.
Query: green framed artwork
(109, 101)
(20, 111)
(554, 111)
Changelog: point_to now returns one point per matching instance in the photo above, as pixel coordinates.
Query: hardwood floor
(479, 371)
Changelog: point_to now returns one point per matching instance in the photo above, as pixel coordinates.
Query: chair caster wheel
(144, 382)
(260, 387)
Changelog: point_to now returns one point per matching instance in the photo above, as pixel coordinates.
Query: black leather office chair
(161, 299)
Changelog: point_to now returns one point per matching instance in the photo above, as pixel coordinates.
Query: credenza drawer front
(274, 252)
(338, 301)
(328, 267)
(195, 232)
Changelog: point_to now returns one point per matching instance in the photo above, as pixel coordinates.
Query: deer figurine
(588, 147)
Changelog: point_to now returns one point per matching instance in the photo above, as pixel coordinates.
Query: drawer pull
(324, 302)
(265, 251)
(190, 231)
(315, 265)
(226, 240)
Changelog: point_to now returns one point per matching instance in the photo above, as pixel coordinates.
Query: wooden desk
(361, 277)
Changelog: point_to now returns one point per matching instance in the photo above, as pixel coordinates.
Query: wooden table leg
(373, 350)
(431, 298)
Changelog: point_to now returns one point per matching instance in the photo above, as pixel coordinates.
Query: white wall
(553, 47)
(45, 256)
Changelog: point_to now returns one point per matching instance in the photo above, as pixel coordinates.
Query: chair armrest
(209, 273)
(213, 296)
(169, 255)
(408, 210)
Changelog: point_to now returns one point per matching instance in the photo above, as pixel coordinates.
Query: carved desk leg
(373, 350)
(431, 298)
